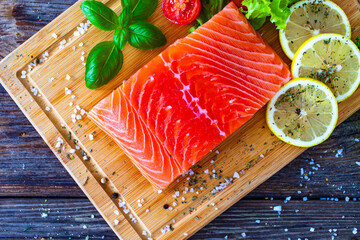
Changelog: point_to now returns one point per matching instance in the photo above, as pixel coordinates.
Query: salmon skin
(188, 99)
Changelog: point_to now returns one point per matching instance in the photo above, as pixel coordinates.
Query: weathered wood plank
(67, 218)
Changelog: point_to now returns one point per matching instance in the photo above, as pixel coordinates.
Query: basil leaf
(208, 9)
(103, 64)
(144, 35)
(125, 16)
(100, 15)
(121, 37)
(141, 9)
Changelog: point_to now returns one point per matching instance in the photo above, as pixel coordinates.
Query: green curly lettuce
(258, 10)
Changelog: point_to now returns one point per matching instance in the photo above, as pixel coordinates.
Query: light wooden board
(241, 152)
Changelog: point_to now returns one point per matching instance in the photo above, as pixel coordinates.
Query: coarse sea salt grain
(51, 79)
(357, 163)
(81, 44)
(236, 175)
(91, 137)
(68, 77)
(47, 108)
(54, 35)
(312, 229)
(72, 151)
(277, 208)
(116, 222)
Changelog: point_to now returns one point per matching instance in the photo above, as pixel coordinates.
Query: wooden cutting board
(252, 151)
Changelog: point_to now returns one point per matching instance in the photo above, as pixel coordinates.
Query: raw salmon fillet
(192, 96)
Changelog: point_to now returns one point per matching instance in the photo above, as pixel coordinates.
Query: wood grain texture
(73, 219)
(330, 156)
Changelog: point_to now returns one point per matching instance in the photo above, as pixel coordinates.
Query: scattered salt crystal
(68, 77)
(312, 229)
(357, 163)
(159, 191)
(103, 180)
(243, 234)
(44, 215)
(82, 58)
(72, 150)
(262, 155)
(82, 53)
(67, 91)
(47, 108)
(144, 233)
(236, 175)
(339, 153)
(147, 210)
(354, 231)
(357, 140)
(217, 152)
(257, 221)
(347, 199)
(206, 171)
(54, 35)
(285, 230)
(77, 147)
(71, 104)
(277, 208)
(51, 79)
(116, 222)
(72, 96)
(305, 199)
(185, 234)
(81, 44)
(85, 158)
(91, 137)
(74, 48)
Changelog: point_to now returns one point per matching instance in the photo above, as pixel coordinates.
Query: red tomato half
(181, 11)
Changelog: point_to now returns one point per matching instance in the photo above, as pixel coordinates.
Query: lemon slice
(332, 59)
(309, 18)
(303, 113)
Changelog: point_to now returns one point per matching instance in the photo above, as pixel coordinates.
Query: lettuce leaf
(258, 10)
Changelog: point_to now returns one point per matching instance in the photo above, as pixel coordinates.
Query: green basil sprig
(106, 58)
(100, 15)
(103, 64)
(141, 9)
(121, 37)
(144, 35)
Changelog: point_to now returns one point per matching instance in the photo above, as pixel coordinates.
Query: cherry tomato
(181, 11)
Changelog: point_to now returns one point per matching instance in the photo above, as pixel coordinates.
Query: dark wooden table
(39, 199)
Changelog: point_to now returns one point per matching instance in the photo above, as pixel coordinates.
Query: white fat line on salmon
(197, 109)
(234, 65)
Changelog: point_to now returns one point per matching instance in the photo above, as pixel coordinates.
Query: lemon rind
(276, 130)
(285, 47)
